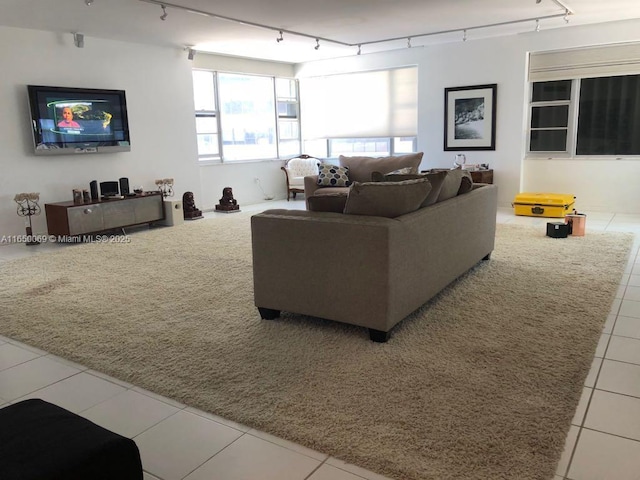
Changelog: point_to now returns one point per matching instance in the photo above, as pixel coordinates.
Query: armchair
(295, 170)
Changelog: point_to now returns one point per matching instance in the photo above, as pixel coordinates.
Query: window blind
(367, 104)
(600, 61)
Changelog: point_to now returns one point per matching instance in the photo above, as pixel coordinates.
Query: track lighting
(464, 35)
(191, 53)
(564, 12)
(88, 3)
(78, 40)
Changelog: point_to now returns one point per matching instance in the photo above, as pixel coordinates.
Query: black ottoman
(41, 441)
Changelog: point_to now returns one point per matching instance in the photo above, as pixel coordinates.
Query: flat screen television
(78, 120)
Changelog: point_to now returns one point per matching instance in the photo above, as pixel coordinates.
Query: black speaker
(94, 189)
(124, 186)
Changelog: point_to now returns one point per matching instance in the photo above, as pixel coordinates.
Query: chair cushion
(360, 168)
(333, 176)
(387, 199)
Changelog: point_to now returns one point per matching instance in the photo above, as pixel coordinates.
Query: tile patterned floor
(178, 442)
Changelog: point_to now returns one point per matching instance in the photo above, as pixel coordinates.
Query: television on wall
(67, 120)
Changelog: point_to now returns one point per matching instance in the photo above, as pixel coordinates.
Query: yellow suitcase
(544, 204)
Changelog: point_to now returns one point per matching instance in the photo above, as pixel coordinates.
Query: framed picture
(470, 117)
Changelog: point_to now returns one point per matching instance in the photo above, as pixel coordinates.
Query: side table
(482, 176)
(173, 214)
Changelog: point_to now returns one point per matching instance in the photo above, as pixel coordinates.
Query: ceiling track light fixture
(537, 24)
(464, 35)
(88, 3)
(191, 52)
(359, 49)
(566, 11)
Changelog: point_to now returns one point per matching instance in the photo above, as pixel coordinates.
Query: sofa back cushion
(360, 168)
(387, 199)
(436, 179)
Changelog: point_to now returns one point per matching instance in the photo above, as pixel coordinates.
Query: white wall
(504, 61)
(160, 108)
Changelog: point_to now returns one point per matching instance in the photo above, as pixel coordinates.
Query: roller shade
(601, 61)
(367, 104)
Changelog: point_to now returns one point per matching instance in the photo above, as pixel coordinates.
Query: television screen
(78, 120)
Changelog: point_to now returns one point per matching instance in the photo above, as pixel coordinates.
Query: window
(550, 103)
(585, 101)
(245, 117)
(206, 114)
(369, 147)
(605, 109)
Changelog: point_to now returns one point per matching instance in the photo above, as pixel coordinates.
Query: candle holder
(165, 185)
(27, 207)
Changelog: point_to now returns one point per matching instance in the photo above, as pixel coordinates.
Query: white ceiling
(349, 21)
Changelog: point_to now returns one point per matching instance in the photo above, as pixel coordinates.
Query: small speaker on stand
(94, 190)
(124, 186)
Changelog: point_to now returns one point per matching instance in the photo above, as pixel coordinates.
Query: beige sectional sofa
(368, 270)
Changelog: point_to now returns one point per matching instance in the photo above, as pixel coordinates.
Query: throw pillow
(466, 182)
(451, 184)
(387, 199)
(333, 176)
(334, 202)
(437, 180)
(360, 168)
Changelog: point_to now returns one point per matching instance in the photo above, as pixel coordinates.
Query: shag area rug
(480, 383)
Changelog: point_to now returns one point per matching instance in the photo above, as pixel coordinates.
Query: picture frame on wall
(470, 117)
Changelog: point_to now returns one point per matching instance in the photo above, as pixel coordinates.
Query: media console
(69, 218)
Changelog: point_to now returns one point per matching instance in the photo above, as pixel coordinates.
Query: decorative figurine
(189, 207)
(227, 204)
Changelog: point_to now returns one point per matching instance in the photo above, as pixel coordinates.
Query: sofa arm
(310, 186)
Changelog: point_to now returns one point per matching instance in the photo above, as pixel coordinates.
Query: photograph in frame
(470, 117)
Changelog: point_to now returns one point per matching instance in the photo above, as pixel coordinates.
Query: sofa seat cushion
(333, 176)
(360, 168)
(334, 202)
(330, 191)
(387, 199)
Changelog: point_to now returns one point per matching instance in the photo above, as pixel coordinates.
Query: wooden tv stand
(69, 218)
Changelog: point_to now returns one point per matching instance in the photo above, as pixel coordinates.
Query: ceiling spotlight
(164, 13)
(317, 44)
(409, 42)
(566, 16)
(191, 53)
(88, 3)
(537, 25)
(359, 49)
(538, 1)
(279, 39)
(464, 35)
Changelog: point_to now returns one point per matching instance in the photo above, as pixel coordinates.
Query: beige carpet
(481, 383)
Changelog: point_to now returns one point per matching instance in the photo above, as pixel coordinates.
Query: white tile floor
(179, 442)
